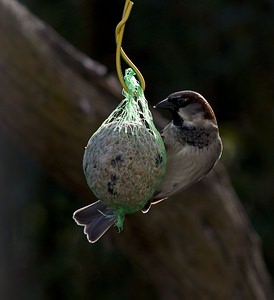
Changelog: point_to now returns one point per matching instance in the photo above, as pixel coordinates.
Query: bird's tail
(96, 219)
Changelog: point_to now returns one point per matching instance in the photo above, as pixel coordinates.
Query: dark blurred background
(222, 49)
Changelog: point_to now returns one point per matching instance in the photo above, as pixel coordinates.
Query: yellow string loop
(121, 53)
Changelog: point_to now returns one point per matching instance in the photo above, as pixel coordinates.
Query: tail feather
(96, 219)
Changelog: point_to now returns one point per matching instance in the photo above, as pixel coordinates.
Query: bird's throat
(177, 119)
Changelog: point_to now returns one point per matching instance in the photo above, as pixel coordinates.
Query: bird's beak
(164, 104)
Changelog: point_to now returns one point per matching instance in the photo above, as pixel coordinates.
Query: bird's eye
(182, 102)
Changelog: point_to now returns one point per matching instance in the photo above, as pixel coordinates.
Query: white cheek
(191, 113)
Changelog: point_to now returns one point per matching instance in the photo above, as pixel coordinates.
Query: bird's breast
(186, 164)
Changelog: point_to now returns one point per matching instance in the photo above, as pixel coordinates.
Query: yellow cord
(120, 52)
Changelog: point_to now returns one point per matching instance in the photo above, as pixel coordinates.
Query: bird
(192, 142)
(193, 147)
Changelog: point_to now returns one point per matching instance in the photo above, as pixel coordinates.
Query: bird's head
(188, 106)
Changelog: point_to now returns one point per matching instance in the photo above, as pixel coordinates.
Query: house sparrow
(193, 147)
(192, 143)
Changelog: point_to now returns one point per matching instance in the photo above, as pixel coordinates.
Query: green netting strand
(125, 159)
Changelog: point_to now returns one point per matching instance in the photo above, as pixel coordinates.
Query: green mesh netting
(125, 159)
